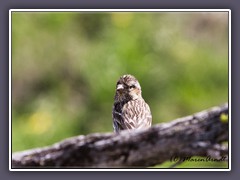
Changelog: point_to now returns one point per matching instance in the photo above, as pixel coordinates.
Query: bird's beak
(120, 87)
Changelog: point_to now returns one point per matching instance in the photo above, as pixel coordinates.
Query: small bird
(130, 111)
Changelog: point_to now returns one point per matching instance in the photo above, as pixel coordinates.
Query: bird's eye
(132, 87)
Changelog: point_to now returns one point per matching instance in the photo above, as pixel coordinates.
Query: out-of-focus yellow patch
(224, 118)
(184, 51)
(39, 122)
(122, 19)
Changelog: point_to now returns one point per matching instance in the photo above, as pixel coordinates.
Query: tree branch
(200, 134)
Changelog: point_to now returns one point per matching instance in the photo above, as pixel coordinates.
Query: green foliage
(224, 118)
(65, 66)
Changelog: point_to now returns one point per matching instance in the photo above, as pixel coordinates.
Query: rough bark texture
(200, 134)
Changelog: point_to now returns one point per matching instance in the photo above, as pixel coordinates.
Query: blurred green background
(65, 66)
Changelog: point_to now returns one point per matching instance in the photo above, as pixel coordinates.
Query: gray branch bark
(200, 134)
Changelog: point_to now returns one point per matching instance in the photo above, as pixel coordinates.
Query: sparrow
(130, 111)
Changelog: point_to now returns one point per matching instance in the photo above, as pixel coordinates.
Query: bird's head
(127, 88)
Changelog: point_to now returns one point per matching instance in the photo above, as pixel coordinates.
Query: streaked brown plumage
(130, 111)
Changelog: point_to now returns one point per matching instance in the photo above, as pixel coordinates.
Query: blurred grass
(65, 66)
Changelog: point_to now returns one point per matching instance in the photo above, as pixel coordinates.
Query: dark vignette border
(123, 4)
(138, 168)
